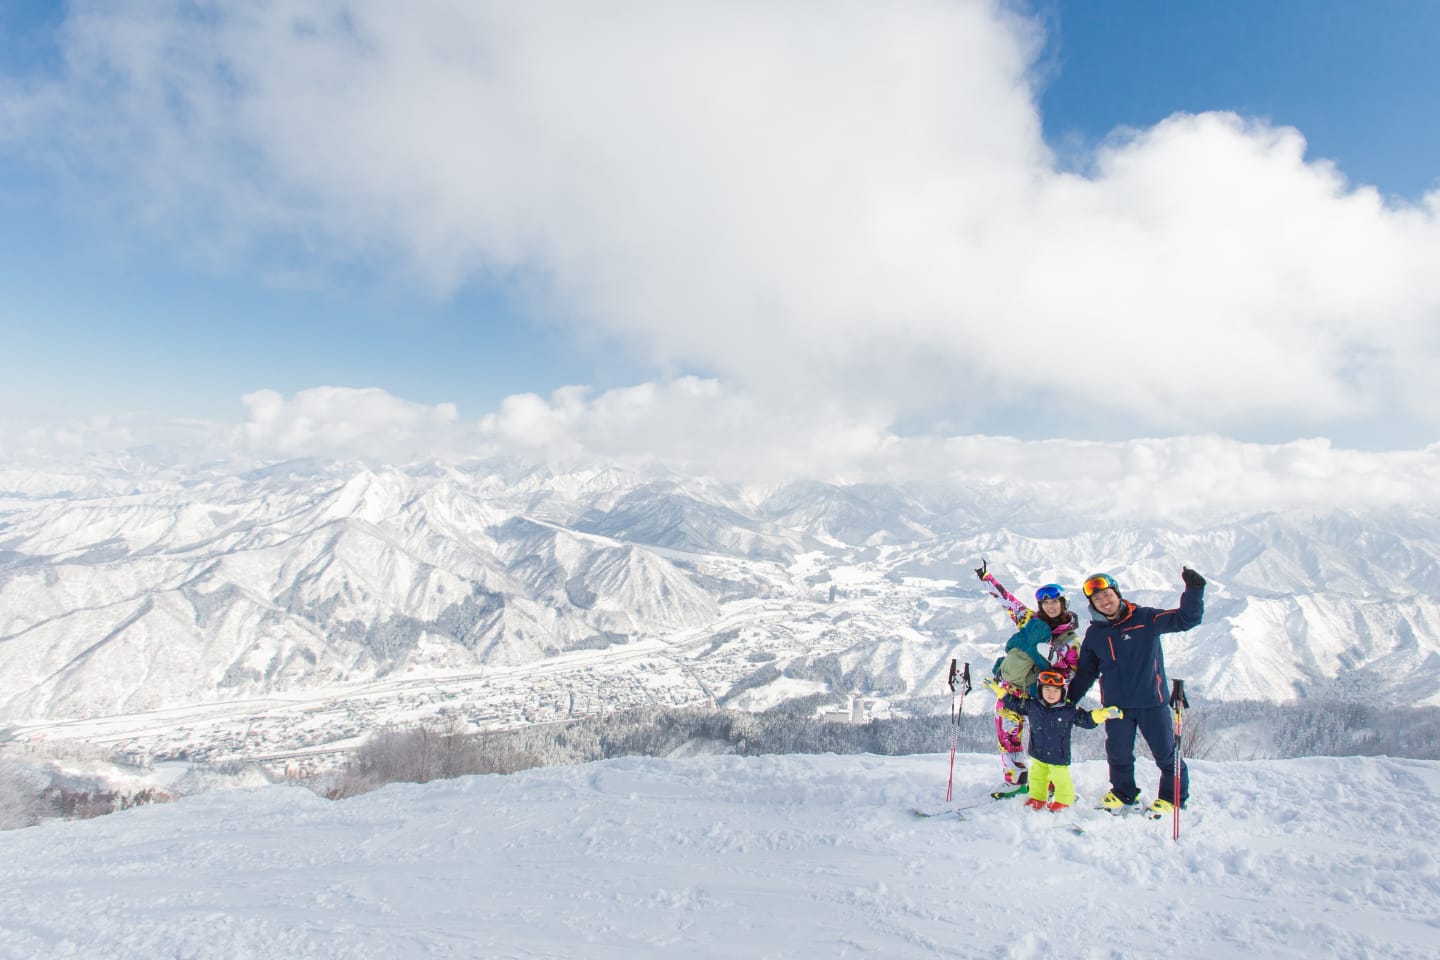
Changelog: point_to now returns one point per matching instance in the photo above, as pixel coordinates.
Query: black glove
(980, 570)
(1191, 578)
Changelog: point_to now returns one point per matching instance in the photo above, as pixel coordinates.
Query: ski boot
(1113, 804)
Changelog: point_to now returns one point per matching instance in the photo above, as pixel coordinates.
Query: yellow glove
(1102, 714)
(993, 685)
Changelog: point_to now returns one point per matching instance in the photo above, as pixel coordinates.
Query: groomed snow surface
(770, 857)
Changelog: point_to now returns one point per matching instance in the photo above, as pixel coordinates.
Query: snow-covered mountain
(126, 589)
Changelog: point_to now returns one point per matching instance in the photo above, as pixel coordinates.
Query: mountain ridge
(186, 587)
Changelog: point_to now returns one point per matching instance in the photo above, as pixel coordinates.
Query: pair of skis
(959, 812)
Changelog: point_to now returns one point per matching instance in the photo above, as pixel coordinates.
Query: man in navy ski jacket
(1123, 650)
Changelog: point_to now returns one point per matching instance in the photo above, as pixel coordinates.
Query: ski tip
(1002, 794)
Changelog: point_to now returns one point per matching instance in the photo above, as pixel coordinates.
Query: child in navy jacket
(1052, 720)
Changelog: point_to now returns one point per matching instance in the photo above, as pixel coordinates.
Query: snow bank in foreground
(733, 857)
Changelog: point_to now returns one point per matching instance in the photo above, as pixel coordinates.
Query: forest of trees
(1227, 731)
(449, 748)
(29, 796)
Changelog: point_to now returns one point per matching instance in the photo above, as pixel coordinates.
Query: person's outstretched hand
(1191, 578)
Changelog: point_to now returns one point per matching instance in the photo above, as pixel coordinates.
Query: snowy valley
(283, 613)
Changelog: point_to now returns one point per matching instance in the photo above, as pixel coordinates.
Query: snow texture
(772, 857)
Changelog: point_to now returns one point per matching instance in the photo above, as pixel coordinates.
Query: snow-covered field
(722, 856)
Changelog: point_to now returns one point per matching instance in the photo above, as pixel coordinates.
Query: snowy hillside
(269, 610)
(763, 857)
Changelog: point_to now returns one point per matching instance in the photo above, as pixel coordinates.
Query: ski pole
(956, 708)
(1178, 703)
(954, 735)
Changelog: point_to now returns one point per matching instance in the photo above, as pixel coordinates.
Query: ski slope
(770, 857)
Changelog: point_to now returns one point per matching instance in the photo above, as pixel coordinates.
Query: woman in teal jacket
(1026, 654)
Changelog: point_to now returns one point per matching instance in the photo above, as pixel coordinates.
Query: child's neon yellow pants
(1042, 775)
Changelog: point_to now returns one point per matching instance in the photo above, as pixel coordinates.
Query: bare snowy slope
(731, 857)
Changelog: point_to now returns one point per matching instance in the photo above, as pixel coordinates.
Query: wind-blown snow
(794, 856)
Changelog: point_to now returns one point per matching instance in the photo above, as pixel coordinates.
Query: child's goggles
(1101, 581)
(1051, 591)
(1052, 678)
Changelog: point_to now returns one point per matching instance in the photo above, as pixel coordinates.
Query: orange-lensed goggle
(1051, 678)
(1101, 581)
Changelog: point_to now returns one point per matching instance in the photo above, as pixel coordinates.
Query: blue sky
(1357, 79)
(112, 299)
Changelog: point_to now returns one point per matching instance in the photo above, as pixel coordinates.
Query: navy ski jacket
(1127, 656)
(1050, 727)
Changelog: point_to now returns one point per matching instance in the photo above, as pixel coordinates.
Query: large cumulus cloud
(847, 212)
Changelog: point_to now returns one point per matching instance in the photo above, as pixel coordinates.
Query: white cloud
(843, 209)
(339, 421)
(689, 422)
(700, 427)
(161, 441)
(1187, 478)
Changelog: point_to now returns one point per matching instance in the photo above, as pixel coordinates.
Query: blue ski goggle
(1051, 591)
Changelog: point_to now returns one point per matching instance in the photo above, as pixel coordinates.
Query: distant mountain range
(126, 588)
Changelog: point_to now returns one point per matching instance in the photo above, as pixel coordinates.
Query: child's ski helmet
(1051, 678)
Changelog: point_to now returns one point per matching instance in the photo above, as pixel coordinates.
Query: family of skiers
(1048, 668)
